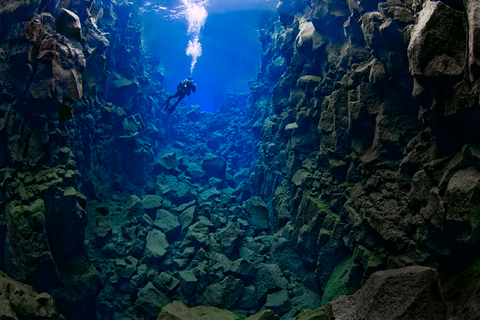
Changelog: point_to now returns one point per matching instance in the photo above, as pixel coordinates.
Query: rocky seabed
(345, 185)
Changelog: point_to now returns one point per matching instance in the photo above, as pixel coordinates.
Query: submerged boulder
(405, 293)
(151, 300)
(157, 244)
(214, 166)
(68, 24)
(257, 212)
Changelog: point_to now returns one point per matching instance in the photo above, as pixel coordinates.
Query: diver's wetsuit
(184, 88)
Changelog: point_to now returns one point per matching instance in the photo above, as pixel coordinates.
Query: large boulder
(224, 294)
(214, 166)
(269, 278)
(168, 223)
(168, 161)
(228, 238)
(257, 212)
(157, 244)
(151, 300)
(412, 293)
(68, 24)
(152, 202)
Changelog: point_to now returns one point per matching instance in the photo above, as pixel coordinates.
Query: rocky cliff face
(362, 127)
(369, 157)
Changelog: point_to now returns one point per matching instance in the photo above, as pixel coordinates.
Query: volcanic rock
(178, 310)
(68, 23)
(151, 300)
(20, 301)
(406, 293)
(214, 166)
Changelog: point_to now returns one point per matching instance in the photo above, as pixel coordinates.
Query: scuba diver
(184, 88)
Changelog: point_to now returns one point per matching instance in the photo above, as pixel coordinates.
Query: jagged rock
(424, 57)
(168, 161)
(264, 315)
(244, 268)
(103, 228)
(460, 193)
(20, 301)
(309, 82)
(140, 279)
(269, 278)
(126, 267)
(258, 213)
(220, 262)
(214, 166)
(473, 11)
(209, 195)
(291, 126)
(307, 36)
(195, 171)
(166, 282)
(133, 207)
(249, 299)
(278, 301)
(151, 300)
(228, 237)
(121, 91)
(179, 192)
(242, 176)
(405, 293)
(168, 223)
(178, 310)
(199, 234)
(224, 294)
(285, 254)
(182, 192)
(187, 217)
(188, 281)
(427, 60)
(133, 123)
(27, 243)
(152, 202)
(69, 24)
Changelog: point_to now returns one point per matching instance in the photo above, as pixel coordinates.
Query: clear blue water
(231, 51)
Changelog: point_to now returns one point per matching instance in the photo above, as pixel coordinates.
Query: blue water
(231, 51)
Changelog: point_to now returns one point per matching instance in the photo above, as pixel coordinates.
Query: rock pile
(193, 240)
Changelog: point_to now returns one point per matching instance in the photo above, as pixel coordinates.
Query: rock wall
(361, 127)
(62, 75)
(369, 158)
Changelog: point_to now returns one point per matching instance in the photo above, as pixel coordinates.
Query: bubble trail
(195, 13)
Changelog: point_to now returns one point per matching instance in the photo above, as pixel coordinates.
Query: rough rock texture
(20, 301)
(178, 310)
(368, 157)
(405, 293)
(362, 126)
